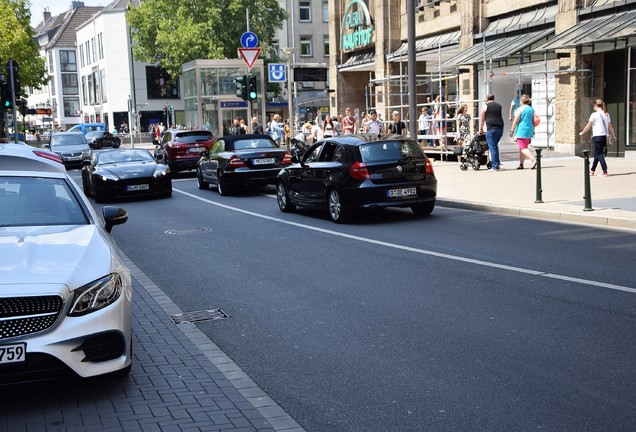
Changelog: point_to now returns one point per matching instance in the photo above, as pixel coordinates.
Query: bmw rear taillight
(51, 156)
(359, 171)
(235, 162)
(286, 159)
(429, 167)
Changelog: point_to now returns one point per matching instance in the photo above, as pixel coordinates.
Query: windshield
(385, 151)
(120, 156)
(67, 139)
(96, 134)
(30, 201)
(253, 144)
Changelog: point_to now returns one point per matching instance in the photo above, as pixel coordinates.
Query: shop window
(160, 85)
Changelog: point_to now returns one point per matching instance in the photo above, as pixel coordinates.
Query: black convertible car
(239, 160)
(351, 172)
(125, 173)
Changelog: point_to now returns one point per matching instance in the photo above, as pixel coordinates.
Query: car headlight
(109, 177)
(87, 154)
(161, 172)
(96, 295)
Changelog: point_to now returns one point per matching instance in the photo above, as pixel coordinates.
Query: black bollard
(588, 189)
(539, 198)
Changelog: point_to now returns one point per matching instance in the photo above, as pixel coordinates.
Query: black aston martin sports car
(99, 139)
(241, 160)
(125, 173)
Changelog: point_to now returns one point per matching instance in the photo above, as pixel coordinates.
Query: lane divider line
(416, 250)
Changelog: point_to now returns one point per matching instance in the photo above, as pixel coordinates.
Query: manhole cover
(197, 316)
(187, 231)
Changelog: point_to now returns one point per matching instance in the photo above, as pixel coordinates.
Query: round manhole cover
(187, 231)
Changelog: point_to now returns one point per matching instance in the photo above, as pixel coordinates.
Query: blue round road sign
(249, 40)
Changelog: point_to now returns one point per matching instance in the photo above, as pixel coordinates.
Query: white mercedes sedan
(65, 293)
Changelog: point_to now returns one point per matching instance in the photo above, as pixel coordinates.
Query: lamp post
(290, 76)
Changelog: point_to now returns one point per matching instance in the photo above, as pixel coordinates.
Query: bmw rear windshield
(193, 136)
(385, 151)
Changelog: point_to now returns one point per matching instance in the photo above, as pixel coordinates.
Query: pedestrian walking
(423, 123)
(348, 122)
(328, 128)
(523, 128)
(257, 128)
(601, 126)
(463, 128)
(493, 120)
(397, 126)
(374, 126)
(276, 129)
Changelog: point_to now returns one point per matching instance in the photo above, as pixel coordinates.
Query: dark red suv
(180, 148)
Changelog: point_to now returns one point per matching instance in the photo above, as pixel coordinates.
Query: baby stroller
(474, 153)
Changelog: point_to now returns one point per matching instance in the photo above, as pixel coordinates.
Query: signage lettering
(357, 28)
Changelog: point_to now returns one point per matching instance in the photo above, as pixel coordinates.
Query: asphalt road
(460, 321)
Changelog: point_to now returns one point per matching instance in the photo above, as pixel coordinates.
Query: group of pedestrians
(523, 129)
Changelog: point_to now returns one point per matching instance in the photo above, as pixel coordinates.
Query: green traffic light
(252, 95)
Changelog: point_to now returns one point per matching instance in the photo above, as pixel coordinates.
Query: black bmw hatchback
(352, 172)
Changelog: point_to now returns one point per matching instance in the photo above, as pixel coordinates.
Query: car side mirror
(114, 216)
(86, 162)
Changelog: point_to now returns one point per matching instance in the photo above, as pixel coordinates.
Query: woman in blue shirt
(523, 128)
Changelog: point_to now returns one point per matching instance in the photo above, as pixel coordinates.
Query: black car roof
(233, 138)
(359, 139)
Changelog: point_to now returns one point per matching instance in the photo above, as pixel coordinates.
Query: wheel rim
(334, 205)
(281, 195)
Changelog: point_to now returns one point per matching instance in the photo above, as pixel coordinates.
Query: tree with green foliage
(170, 33)
(17, 42)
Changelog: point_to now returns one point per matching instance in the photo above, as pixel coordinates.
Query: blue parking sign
(277, 72)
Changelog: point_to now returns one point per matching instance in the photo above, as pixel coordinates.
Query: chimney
(77, 4)
(47, 14)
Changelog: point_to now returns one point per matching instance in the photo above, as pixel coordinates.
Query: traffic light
(165, 110)
(252, 90)
(241, 86)
(5, 93)
(16, 77)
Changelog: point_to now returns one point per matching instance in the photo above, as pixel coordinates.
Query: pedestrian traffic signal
(241, 87)
(252, 90)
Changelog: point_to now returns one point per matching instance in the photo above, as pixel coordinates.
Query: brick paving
(180, 381)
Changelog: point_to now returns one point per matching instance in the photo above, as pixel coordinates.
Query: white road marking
(416, 250)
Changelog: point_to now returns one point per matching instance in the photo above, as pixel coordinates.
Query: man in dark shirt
(257, 128)
(492, 118)
(397, 126)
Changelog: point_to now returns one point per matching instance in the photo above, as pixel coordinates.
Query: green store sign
(357, 29)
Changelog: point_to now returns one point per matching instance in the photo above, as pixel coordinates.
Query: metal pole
(412, 69)
(586, 173)
(15, 118)
(539, 198)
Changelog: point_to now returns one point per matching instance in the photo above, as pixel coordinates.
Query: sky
(57, 7)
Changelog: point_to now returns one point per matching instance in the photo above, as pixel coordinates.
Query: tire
(463, 166)
(222, 186)
(87, 190)
(202, 184)
(476, 166)
(98, 198)
(282, 197)
(423, 209)
(337, 212)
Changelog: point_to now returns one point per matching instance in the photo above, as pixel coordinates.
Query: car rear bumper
(252, 176)
(376, 196)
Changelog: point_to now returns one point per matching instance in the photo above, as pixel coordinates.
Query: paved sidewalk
(514, 192)
(180, 381)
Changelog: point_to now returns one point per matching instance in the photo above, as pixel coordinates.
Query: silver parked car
(72, 148)
(65, 293)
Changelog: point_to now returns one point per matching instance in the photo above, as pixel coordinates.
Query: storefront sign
(357, 28)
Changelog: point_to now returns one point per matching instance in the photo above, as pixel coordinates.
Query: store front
(210, 94)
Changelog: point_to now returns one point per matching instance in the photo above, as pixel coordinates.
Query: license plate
(196, 149)
(73, 158)
(138, 187)
(264, 161)
(397, 193)
(14, 353)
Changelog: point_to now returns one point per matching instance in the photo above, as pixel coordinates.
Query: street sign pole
(10, 66)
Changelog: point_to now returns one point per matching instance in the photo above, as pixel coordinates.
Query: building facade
(564, 53)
